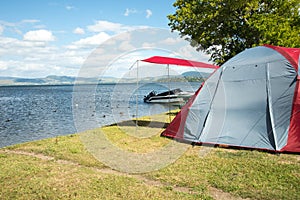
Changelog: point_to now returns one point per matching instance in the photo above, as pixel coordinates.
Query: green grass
(24, 177)
(120, 138)
(68, 148)
(251, 174)
(62, 168)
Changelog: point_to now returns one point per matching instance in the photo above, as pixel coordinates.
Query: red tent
(251, 101)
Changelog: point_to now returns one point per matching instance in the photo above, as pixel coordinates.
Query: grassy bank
(63, 168)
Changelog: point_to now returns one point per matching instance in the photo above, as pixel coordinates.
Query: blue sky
(46, 37)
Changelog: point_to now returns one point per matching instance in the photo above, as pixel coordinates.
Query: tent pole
(270, 106)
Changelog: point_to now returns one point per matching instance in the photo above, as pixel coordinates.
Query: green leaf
(233, 25)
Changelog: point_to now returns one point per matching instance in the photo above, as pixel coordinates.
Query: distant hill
(49, 80)
(195, 74)
(190, 76)
(29, 80)
(55, 80)
(61, 78)
(69, 80)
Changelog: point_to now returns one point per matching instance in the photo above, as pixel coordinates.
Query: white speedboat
(172, 96)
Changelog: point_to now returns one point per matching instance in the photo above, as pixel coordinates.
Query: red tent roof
(291, 54)
(177, 61)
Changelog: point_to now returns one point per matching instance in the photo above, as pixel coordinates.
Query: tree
(224, 28)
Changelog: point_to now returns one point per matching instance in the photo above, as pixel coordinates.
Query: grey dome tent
(251, 101)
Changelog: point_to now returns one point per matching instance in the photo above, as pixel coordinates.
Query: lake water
(35, 112)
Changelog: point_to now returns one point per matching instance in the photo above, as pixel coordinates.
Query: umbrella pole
(169, 87)
(136, 96)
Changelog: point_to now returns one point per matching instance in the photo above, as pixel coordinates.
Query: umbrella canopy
(177, 61)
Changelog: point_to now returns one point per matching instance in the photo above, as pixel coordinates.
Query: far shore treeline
(190, 76)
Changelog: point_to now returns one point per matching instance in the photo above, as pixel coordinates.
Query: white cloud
(39, 35)
(94, 40)
(149, 13)
(106, 26)
(68, 7)
(26, 58)
(148, 45)
(3, 65)
(171, 41)
(35, 56)
(89, 42)
(126, 46)
(15, 27)
(101, 26)
(31, 21)
(79, 31)
(15, 47)
(129, 11)
(1, 29)
(39, 26)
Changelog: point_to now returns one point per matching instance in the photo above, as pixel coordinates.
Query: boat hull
(172, 96)
(164, 100)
